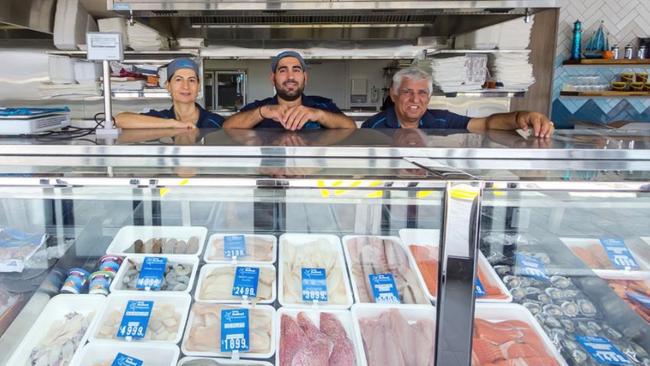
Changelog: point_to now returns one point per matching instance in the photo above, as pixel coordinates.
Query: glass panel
(286, 232)
(576, 266)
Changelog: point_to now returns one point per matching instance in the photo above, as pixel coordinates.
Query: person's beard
(289, 96)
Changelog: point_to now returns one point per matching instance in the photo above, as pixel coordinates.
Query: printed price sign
(618, 253)
(531, 267)
(123, 360)
(234, 246)
(246, 279)
(234, 330)
(603, 351)
(384, 289)
(135, 319)
(479, 290)
(152, 273)
(314, 284)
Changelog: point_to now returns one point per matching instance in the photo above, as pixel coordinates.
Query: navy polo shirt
(310, 101)
(432, 118)
(206, 119)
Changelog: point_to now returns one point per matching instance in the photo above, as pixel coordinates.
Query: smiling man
(183, 85)
(411, 92)
(290, 108)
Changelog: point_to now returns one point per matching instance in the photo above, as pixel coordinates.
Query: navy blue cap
(181, 63)
(283, 54)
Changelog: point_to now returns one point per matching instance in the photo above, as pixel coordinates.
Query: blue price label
(246, 280)
(384, 289)
(314, 284)
(531, 267)
(603, 351)
(234, 246)
(479, 290)
(234, 330)
(152, 273)
(135, 319)
(123, 360)
(640, 299)
(618, 253)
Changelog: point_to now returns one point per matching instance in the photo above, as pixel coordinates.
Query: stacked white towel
(49, 90)
(144, 38)
(456, 73)
(513, 70)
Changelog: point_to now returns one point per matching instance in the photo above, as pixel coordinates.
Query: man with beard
(411, 93)
(290, 108)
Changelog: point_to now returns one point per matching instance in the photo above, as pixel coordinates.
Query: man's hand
(542, 126)
(275, 112)
(296, 117)
(183, 125)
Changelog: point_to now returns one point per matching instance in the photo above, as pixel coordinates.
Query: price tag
(641, 299)
(234, 246)
(123, 360)
(314, 284)
(135, 319)
(234, 330)
(246, 279)
(531, 267)
(479, 290)
(152, 273)
(603, 351)
(384, 289)
(618, 253)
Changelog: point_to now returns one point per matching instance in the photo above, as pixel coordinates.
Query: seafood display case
(338, 260)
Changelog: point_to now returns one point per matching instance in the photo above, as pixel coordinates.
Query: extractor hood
(26, 18)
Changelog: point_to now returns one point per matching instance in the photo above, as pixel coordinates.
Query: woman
(183, 86)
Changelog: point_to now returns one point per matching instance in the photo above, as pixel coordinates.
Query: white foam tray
(430, 238)
(344, 316)
(397, 240)
(302, 240)
(266, 308)
(636, 274)
(55, 310)
(209, 251)
(224, 362)
(209, 267)
(118, 286)
(150, 354)
(410, 312)
(501, 312)
(128, 234)
(180, 301)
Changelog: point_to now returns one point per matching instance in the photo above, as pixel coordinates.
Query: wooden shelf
(603, 62)
(607, 94)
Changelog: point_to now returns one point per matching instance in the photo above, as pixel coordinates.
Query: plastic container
(118, 301)
(187, 361)
(118, 286)
(103, 353)
(344, 316)
(411, 313)
(212, 256)
(268, 310)
(208, 268)
(430, 238)
(56, 310)
(128, 234)
(503, 312)
(13, 254)
(304, 241)
(355, 285)
(579, 246)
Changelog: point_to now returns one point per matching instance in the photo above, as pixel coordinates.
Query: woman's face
(184, 86)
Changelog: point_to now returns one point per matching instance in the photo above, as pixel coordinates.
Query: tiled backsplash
(626, 21)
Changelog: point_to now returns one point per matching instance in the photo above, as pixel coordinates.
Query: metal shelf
(188, 52)
(590, 62)
(433, 52)
(489, 93)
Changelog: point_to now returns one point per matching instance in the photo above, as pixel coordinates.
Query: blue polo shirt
(206, 119)
(432, 119)
(310, 101)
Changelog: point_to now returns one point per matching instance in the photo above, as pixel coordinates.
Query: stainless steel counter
(435, 144)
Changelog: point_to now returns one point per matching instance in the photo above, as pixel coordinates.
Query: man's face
(289, 79)
(184, 86)
(411, 99)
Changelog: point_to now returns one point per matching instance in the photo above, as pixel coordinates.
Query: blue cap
(283, 54)
(181, 63)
